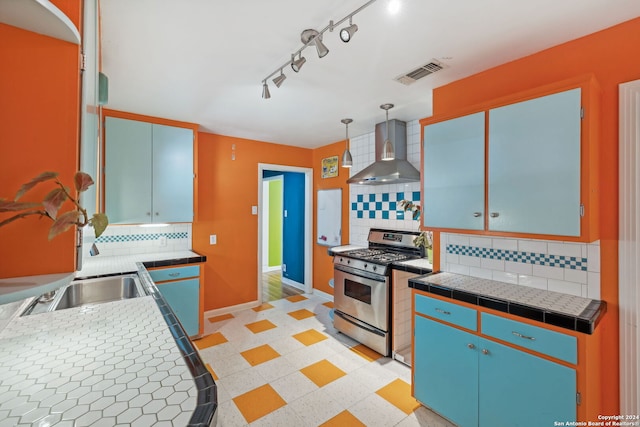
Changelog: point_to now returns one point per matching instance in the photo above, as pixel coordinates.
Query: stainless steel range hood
(394, 171)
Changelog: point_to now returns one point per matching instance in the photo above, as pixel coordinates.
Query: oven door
(362, 295)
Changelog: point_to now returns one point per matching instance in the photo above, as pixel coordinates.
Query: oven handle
(361, 273)
(360, 325)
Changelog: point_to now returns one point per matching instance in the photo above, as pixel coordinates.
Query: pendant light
(347, 160)
(387, 149)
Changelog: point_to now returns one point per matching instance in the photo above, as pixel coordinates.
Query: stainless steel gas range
(362, 286)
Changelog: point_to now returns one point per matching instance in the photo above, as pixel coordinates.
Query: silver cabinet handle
(157, 214)
(485, 351)
(494, 214)
(477, 214)
(148, 213)
(174, 274)
(443, 312)
(518, 334)
(471, 346)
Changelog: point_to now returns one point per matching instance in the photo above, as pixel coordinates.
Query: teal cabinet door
(182, 296)
(446, 371)
(534, 165)
(518, 389)
(127, 171)
(172, 174)
(454, 173)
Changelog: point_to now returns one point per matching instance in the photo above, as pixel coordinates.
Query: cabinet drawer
(449, 312)
(175, 273)
(551, 343)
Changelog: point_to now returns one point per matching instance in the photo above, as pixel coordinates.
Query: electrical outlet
(213, 239)
(162, 241)
(284, 268)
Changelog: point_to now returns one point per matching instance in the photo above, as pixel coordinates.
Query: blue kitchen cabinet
(534, 165)
(180, 287)
(477, 382)
(453, 175)
(148, 172)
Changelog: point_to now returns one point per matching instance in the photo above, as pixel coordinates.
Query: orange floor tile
(343, 419)
(328, 304)
(398, 393)
(258, 355)
(262, 307)
(260, 326)
(366, 352)
(301, 314)
(310, 337)
(322, 372)
(258, 402)
(220, 318)
(212, 372)
(296, 298)
(210, 340)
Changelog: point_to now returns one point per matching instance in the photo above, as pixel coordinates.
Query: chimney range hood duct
(395, 171)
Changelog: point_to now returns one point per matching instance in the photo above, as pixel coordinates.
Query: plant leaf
(82, 181)
(63, 223)
(53, 201)
(44, 176)
(99, 222)
(13, 206)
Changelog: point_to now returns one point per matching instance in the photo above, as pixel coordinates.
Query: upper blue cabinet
(527, 167)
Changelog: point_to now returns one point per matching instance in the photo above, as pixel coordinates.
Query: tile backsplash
(567, 267)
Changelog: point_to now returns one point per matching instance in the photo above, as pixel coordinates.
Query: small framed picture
(330, 167)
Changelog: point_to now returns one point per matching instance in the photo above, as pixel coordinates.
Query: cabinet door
(172, 174)
(534, 166)
(182, 296)
(127, 171)
(454, 173)
(521, 390)
(445, 371)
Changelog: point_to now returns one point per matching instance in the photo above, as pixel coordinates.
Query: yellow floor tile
(310, 337)
(343, 419)
(258, 402)
(296, 298)
(212, 372)
(322, 372)
(328, 304)
(365, 352)
(258, 355)
(220, 318)
(210, 340)
(260, 326)
(301, 314)
(262, 307)
(398, 393)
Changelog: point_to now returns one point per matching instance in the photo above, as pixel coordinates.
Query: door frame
(308, 221)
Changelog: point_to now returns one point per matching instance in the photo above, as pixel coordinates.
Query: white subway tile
(502, 276)
(593, 285)
(480, 242)
(458, 239)
(518, 267)
(452, 258)
(459, 269)
(565, 287)
(576, 276)
(481, 273)
(533, 282)
(547, 272)
(566, 249)
(471, 261)
(505, 244)
(593, 257)
(492, 264)
(536, 246)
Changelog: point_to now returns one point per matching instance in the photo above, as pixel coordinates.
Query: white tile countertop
(101, 265)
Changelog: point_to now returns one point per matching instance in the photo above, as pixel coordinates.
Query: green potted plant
(50, 206)
(425, 239)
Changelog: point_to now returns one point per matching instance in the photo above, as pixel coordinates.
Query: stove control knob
(348, 261)
(375, 268)
(366, 265)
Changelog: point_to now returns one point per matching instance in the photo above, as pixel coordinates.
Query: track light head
(298, 63)
(265, 91)
(347, 32)
(314, 37)
(321, 48)
(279, 79)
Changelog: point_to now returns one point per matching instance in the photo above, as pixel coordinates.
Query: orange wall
(39, 131)
(322, 262)
(226, 191)
(590, 54)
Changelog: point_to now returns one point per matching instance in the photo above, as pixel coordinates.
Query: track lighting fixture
(265, 90)
(279, 79)
(314, 37)
(347, 160)
(347, 32)
(387, 149)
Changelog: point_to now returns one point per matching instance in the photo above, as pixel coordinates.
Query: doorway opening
(285, 225)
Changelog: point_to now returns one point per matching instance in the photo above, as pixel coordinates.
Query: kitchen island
(124, 362)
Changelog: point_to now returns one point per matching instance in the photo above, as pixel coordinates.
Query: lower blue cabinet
(476, 382)
(182, 293)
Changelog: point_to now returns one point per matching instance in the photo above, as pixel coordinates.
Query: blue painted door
(446, 371)
(293, 226)
(183, 298)
(454, 173)
(534, 165)
(521, 390)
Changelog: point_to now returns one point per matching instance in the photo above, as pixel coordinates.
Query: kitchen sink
(87, 292)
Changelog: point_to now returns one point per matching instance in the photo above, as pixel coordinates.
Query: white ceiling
(203, 61)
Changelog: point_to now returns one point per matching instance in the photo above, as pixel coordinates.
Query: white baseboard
(323, 295)
(230, 309)
(267, 269)
(293, 283)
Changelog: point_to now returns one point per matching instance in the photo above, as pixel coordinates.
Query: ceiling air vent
(423, 71)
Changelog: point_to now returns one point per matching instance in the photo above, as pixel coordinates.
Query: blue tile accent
(360, 197)
(378, 206)
(415, 196)
(385, 215)
(372, 214)
(372, 197)
(365, 206)
(400, 215)
(387, 204)
(549, 260)
(360, 214)
(385, 197)
(393, 206)
(354, 206)
(139, 237)
(399, 196)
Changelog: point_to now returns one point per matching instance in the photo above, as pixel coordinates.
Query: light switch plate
(213, 239)
(254, 210)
